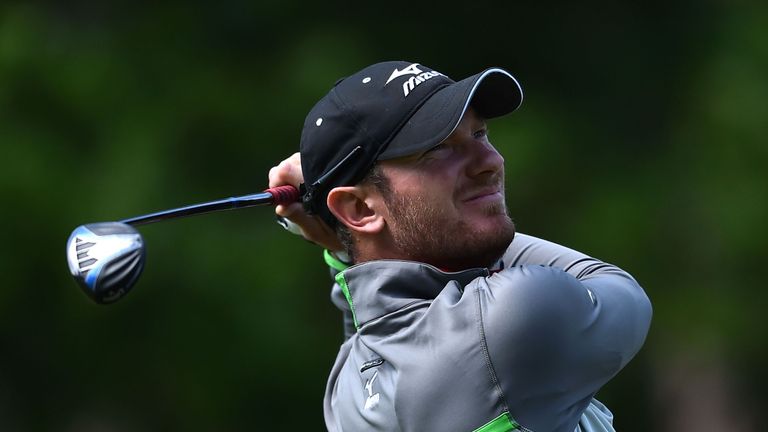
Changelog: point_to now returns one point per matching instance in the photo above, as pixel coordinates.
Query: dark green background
(642, 141)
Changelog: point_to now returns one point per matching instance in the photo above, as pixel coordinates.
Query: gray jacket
(522, 348)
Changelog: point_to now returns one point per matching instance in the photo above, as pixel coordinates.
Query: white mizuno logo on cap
(410, 70)
(412, 82)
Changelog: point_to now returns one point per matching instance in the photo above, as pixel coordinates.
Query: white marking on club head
(319, 121)
(87, 262)
(366, 80)
(592, 296)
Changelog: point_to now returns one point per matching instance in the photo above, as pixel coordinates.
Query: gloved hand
(312, 228)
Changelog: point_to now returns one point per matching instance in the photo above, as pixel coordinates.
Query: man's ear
(356, 208)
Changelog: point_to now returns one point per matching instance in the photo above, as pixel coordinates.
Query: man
(454, 323)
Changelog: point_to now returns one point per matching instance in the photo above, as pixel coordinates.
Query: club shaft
(272, 196)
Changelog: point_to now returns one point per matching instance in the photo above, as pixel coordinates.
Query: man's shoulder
(530, 282)
(532, 306)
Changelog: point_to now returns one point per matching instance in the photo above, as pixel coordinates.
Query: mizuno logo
(410, 70)
(411, 83)
(373, 398)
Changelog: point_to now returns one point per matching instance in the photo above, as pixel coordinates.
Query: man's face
(446, 205)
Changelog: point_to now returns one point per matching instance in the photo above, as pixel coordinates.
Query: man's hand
(288, 172)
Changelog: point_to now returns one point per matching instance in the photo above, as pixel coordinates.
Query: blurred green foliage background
(641, 142)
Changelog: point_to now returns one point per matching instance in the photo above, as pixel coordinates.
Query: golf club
(106, 258)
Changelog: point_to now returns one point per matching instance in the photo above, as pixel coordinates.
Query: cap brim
(493, 93)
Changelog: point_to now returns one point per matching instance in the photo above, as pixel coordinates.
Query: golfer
(453, 321)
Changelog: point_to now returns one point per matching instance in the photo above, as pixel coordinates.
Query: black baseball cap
(385, 111)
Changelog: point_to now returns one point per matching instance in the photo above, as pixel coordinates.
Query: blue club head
(106, 259)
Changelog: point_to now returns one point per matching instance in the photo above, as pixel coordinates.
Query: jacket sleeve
(558, 325)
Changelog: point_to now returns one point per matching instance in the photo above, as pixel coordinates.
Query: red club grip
(283, 194)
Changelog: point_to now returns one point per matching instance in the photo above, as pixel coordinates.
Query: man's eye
(481, 133)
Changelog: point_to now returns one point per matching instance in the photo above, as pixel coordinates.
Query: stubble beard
(423, 233)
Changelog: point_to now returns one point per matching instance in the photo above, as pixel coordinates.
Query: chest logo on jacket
(373, 399)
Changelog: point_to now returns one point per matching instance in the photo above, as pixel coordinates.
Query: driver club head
(105, 259)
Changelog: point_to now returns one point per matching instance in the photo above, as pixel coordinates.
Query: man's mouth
(485, 195)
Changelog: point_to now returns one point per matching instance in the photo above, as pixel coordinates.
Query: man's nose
(485, 159)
